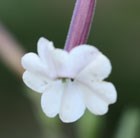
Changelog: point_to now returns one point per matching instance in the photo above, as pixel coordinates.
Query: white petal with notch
(97, 70)
(51, 99)
(35, 82)
(72, 106)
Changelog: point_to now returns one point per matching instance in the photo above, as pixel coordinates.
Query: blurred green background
(115, 31)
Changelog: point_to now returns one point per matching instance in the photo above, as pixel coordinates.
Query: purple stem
(80, 24)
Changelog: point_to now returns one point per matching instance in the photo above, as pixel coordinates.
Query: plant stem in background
(80, 24)
(10, 51)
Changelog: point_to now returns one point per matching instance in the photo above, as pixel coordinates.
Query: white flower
(69, 82)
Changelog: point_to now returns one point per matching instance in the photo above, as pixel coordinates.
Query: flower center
(64, 80)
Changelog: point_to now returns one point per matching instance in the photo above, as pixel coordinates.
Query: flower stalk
(80, 24)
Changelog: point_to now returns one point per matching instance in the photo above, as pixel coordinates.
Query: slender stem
(10, 51)
(80, 24)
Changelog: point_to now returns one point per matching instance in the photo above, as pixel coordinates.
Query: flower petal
(35, 82)
(44, 47)
(61, 62)
(80, 57)
(98, 95)
(32, 63)
(95, 104)
(98, 69)
(51, 99)
(45, 50)
(72, 106)
(106, 90)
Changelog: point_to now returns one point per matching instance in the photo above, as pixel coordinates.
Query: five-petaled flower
(69, 81)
